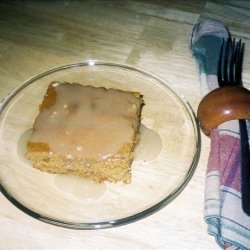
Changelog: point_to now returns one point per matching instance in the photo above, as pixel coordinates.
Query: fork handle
(245, 167)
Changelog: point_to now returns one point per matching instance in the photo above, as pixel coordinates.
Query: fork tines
(230, 62)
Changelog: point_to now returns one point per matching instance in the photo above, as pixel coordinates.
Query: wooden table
(153, 35)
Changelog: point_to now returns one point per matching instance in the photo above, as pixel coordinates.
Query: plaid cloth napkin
(226, 221)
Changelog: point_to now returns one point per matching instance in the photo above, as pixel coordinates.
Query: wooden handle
(223, 104)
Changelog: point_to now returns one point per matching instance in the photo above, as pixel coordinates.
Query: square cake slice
(86, 131)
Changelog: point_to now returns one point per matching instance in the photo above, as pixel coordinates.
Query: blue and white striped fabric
(226, 221)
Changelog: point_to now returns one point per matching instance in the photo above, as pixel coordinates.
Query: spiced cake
(86, 131)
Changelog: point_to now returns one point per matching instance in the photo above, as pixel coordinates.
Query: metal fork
(230, 74)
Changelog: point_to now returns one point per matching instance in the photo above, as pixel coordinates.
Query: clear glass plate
(155, 183)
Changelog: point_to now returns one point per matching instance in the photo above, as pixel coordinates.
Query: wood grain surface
(36, 36)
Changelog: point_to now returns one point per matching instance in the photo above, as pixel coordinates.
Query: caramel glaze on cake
(86, 131)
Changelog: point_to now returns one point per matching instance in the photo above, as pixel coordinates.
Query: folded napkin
(226, 221)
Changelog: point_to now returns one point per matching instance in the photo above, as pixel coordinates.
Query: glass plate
(79, 204)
